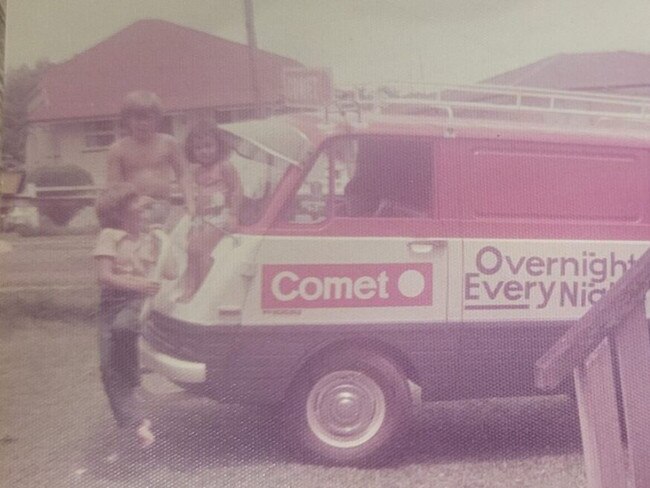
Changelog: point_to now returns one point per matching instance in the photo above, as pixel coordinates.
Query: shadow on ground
(201, 435)
(495, 429)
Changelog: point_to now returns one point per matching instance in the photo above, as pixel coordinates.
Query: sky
(439, 41)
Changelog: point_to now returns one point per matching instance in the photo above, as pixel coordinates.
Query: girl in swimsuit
(218, 200)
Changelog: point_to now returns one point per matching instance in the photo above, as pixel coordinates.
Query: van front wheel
(350, 407)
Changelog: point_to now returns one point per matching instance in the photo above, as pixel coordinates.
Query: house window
(99, 134)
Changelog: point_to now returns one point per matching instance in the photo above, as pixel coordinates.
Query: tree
(21, 87)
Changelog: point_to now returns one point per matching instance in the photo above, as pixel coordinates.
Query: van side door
(358, 242)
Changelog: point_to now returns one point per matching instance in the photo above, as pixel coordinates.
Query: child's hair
(205, 128)
(112, 204)
(141, 103)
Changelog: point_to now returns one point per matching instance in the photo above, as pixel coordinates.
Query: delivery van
(423, 250)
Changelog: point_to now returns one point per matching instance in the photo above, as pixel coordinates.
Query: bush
(60, 211)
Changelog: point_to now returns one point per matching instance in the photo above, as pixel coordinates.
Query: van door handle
(426, 246)
(229, 310)
(248, 269)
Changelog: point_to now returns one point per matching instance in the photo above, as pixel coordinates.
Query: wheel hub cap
(345, 409)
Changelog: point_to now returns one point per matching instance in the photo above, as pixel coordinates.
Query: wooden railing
(609, 347)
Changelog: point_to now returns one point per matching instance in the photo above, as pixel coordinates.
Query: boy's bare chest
(137, 157)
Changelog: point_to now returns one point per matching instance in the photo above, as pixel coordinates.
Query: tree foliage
(21, 87)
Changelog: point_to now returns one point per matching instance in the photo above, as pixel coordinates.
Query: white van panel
(532, 280)
(343, 280)
(220, 299)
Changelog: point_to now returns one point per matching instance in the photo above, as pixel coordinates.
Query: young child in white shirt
(124, 255)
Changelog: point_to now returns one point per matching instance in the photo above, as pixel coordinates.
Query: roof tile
(618, 72)
(185, 67)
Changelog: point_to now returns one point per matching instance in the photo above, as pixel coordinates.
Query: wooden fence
(608, 348)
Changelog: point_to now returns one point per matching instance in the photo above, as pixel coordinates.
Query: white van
(431, 248)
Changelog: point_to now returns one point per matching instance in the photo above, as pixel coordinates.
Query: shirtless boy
(151, 161)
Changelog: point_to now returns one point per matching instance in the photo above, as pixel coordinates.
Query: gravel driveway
(56, 431)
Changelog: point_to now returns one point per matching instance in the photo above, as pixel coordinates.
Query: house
(621, 72)
(74, 119)
(610, 76)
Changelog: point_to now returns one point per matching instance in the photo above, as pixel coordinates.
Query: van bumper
(174, 369)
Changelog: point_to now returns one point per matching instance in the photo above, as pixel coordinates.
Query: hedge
(60, 211)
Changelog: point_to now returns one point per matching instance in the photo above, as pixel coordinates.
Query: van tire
(348, 408)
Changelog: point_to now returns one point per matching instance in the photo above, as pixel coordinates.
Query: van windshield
(266, 140)
(263, 151)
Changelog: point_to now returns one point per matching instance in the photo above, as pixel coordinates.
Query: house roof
(616, 72)
(185, 67)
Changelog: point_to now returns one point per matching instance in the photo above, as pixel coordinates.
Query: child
(218, 199)
(124, 255)
(151, 161)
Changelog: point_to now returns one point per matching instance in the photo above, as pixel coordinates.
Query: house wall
(71, 138)
(63, 143)
(40, 149)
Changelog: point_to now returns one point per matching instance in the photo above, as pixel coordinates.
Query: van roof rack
(521, 104)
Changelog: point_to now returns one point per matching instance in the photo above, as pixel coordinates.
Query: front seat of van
(360, 200)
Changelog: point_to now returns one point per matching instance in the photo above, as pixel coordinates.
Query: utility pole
(252, 55)
(3, 20)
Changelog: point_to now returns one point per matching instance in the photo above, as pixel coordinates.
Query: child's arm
(182, 169)
(114, 172)
(108, 277)
(236, 194)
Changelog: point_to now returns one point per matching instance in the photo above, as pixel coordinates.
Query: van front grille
(190, 342)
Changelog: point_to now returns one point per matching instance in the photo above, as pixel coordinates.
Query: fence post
(599, 426)
(633, 352)
(618, 318)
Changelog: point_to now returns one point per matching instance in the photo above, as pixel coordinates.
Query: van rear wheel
(349, 407)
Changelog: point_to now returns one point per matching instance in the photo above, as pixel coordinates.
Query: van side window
(555, 184)
(392, 179)
(310, 203)
(367, 177)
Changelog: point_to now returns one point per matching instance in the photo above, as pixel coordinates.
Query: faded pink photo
(246, 242)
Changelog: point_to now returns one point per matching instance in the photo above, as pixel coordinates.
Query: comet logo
(346, 285)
